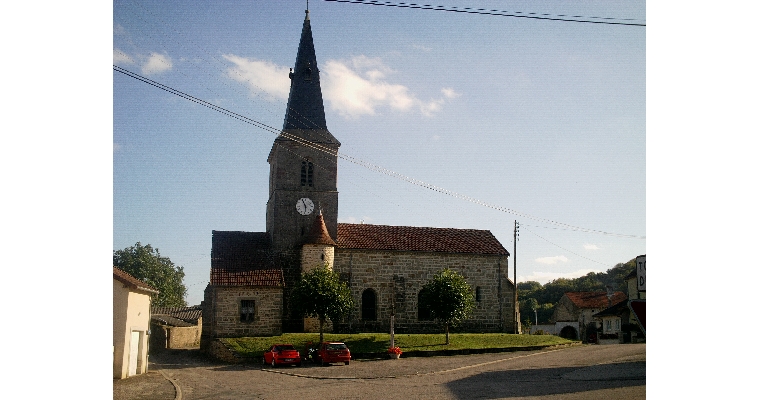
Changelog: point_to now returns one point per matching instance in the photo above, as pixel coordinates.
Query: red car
(282, 354)
(334, 352)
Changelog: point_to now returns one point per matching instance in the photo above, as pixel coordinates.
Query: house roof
(410, 238)
(243, 259)
(132, 282)
(615, 311)
(241, 277)
(171, 321)
(594, 299)
(188, 314)
(318, 233)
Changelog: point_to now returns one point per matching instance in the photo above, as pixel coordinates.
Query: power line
(357, 161)
(569, 251)
(500, 13)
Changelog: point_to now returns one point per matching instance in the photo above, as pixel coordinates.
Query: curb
(177, 389)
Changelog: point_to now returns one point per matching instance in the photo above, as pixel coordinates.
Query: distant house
(612, 322)
(619, 325)
(131, 321)
(176, 327)
(574, 312)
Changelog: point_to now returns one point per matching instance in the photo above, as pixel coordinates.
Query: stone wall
(174, 337)
(221, 312)
(396, 277)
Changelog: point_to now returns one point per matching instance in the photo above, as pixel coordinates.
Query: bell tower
(303, 162)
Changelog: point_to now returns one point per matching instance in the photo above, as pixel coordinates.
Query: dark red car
(282, 354)
(333, 352)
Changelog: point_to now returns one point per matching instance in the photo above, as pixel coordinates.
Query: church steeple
(305, 107)
(304, 158)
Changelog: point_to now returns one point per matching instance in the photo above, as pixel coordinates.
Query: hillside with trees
(534, 296)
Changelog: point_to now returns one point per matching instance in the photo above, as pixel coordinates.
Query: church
(385, 267)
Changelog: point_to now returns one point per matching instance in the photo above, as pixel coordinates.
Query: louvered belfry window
(307, 173)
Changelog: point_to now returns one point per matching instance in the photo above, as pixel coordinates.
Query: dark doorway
(369, 305)
(569, 332)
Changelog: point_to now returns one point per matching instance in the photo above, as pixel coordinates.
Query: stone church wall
(396, 278)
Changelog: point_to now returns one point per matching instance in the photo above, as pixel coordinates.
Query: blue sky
(546, 118)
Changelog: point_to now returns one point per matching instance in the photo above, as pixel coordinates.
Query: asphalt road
(579, 372)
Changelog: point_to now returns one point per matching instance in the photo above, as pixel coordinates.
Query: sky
(537, 121)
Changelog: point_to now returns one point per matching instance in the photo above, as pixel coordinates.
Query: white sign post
(641, 272)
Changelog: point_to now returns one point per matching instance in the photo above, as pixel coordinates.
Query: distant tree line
(542, 298)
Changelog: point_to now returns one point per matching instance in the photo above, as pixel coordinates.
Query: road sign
(639, 309)
(641, 272)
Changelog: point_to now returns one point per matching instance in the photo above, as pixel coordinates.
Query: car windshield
(285, 347)
(336, 346)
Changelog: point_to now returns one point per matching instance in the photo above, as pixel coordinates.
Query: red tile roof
(132, 282)
(250, 277)
(410, 238)
(594, 299)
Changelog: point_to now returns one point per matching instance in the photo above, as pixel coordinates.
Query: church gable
(243, 259)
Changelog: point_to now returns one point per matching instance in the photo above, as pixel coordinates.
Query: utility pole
(393, 314)
(514, 262)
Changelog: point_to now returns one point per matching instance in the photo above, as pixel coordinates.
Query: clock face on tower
(305, 206)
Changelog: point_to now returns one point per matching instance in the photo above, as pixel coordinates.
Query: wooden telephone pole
(514, 262)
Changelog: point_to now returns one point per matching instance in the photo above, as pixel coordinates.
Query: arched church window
(423, 309)
(478, 294)
(307, 173)
(369, 305)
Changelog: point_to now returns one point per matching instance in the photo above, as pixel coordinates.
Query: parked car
(282, 354)
(333, 352)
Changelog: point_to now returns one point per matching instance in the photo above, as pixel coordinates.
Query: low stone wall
(183, 337)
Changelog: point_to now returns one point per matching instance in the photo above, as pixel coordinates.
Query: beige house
(131, 321)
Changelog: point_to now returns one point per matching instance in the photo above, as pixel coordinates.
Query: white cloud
(353, 89)
(260, 76)
(551, 260)
(361, 87)
(156, 63)
(590, 247)
(120, 57)
(545, 277)
(450, 93)
(118, 30)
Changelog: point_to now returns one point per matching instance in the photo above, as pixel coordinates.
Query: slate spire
(305, 107)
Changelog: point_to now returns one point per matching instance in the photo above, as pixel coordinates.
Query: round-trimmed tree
(449, 298)
(320, 293)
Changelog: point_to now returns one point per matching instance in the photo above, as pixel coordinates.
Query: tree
(320, 293)
(448, 297)
(146, 264)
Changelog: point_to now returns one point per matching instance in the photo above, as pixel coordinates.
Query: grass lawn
(379, 342)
